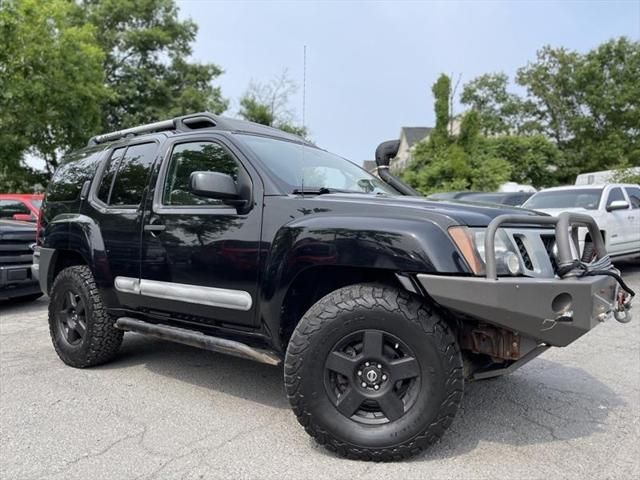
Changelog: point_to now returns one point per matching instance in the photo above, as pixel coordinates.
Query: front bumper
(17, 281)
(551, 310)
(555, 307)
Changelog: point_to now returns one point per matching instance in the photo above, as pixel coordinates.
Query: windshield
(587, 198)
(299, 166)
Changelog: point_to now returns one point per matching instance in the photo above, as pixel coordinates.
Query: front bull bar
(563, 223)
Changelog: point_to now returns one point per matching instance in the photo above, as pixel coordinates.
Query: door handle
(157, 227)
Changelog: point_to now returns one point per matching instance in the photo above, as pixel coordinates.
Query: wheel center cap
(372, 375)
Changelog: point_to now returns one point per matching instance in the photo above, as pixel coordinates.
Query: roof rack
(180, 124)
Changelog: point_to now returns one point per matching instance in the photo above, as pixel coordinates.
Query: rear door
(200, 255)
(115, 203)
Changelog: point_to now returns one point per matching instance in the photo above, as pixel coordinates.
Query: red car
(20, 206)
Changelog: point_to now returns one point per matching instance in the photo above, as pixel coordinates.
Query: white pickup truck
(615, 208)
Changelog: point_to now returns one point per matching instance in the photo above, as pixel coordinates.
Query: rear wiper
(319, 191)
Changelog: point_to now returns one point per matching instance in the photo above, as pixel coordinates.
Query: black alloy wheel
(72, 320)
(372, 377)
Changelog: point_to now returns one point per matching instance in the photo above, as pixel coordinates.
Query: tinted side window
(69, 178)
(615, 194)
(133, 174)
(8, 208)
(634, 196)
(109, 174)
(195, 157)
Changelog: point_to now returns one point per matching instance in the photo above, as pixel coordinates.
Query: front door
(199, 255)
(617, 223)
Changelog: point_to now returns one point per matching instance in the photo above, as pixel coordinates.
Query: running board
(198, 339)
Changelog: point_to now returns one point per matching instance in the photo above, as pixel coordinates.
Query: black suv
(243, 239)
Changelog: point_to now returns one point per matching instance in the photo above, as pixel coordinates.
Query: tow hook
(622, 313)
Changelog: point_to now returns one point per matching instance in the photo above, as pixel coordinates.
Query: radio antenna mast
(304, 108)
(304, 87)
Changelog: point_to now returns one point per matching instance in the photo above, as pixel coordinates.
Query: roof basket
(180, 124)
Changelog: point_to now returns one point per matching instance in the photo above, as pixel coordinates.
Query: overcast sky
(370, 65)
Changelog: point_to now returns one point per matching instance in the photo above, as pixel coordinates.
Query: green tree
(269, 104)
(534, 159)
(441, 93)
(500, 111)
(444, 162)
(588, 104)
(51, 85)
(146, 62)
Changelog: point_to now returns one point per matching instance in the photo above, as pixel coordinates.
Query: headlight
(470, 242)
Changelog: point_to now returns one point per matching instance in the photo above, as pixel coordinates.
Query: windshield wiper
(320, 191)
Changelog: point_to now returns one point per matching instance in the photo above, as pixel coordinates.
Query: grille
(526, 259)
(550, 242)
(15, 248)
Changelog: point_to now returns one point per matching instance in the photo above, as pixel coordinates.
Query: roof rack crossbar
(184, 123)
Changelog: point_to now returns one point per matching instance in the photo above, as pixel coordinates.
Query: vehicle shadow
(23, 305)
(543, 402)
(252, 381)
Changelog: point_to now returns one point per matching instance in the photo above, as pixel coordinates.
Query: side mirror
(24, 217)
(216, 185)
(617, 205)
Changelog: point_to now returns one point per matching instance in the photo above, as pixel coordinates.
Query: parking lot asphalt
(163, 410)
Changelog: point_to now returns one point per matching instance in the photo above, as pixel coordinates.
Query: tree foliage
(588, 105)
(146, 49)
(51, 84)
(269, 104)
(69, 70)
(500, 111)
(444, 162)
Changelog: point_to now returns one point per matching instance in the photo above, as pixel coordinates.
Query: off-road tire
(394, 312)
(102, 340)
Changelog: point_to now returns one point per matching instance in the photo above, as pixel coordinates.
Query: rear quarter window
(66, 183)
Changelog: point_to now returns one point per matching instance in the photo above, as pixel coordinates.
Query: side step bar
(198, 339)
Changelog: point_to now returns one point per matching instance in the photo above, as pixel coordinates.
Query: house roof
(415, 134)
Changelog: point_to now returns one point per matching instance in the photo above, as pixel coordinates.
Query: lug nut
(384, 377)
(396, 346)
(359, 373)
(379, 366)
(376, 387)
(366, 364)
(364, 384)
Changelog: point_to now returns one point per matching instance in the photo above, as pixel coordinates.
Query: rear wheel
(372, 373)
(82, 332)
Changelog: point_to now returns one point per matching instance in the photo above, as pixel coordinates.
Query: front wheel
(373, 373)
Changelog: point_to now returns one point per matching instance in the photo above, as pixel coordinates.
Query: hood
(557, 211)
(459, 212)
